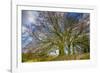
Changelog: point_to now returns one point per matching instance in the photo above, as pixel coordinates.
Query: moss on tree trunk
(61, 51)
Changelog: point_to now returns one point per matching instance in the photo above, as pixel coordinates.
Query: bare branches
(58, 29)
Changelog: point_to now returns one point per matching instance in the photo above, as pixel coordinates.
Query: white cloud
(24, 29)
(32, 16)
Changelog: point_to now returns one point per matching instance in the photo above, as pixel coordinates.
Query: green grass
(40, 58)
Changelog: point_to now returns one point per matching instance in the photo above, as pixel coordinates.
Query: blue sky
(75, 15)
(29, 24)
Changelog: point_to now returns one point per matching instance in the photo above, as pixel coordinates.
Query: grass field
(36, 58)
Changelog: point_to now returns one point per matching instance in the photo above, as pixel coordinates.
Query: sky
(29, 24)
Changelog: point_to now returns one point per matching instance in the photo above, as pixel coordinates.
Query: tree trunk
(62, 52)
(73, 50)
(69, 51)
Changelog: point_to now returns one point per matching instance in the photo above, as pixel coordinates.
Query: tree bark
(62, 52)
(69, 51)
(73, 50)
